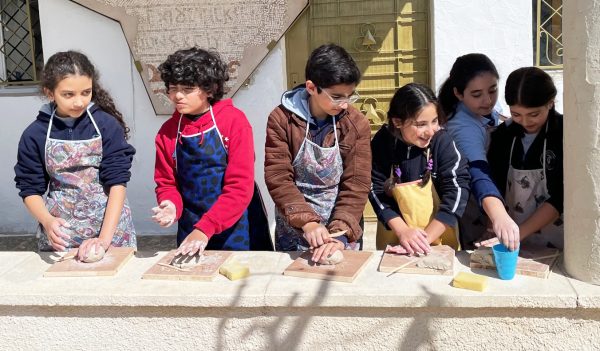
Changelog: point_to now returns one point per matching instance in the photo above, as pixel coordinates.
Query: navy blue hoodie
(30, 171)
(450, 174)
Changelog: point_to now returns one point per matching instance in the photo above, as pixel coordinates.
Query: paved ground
(145, 242)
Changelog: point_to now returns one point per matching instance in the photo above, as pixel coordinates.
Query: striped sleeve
(451, 179)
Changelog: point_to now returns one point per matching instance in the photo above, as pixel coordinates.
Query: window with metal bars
(21, 57)
(547, 34)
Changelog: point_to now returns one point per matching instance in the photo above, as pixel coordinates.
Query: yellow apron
(418, 206)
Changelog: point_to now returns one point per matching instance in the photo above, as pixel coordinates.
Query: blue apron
(200, 163)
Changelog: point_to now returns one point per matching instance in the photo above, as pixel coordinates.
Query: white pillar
(581, 33)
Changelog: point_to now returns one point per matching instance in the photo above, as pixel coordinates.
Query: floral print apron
(317, 174)
(75, 193)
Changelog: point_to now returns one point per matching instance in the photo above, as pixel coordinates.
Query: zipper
(70, 133)
(408, 152)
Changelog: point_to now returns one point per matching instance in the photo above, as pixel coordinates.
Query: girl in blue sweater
(468, 97)
(76, 152)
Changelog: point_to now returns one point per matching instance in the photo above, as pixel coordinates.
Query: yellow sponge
(234, 270)
(465, 280)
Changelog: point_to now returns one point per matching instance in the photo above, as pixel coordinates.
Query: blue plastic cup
(506, 261)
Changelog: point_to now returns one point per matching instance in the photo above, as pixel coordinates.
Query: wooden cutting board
(533, 262)
(346, 271)
(419, 265)
(113, 260)
(206, 270)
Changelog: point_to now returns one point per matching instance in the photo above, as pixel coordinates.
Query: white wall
(502, 30)
(263, 94)
(103, 41)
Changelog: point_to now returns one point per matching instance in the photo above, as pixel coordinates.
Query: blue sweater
(469, 133)
(30, 171)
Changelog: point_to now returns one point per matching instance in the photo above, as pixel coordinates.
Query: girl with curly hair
(204, 170)
(76, 151)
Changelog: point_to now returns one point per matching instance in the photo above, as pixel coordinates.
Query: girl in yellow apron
(420, 180)
(525, 157)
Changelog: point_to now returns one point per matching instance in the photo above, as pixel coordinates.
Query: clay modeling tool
(541, 257)
(173, 267)
(401, 266)
(336, 234)
(66, 258)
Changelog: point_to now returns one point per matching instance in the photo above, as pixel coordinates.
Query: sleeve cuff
(448, 219)
(205, 227)
(386, 215)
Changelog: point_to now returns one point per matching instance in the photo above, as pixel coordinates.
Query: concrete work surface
(269, 311)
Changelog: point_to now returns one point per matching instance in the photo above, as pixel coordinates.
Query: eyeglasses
(350, 99)
(184, 90)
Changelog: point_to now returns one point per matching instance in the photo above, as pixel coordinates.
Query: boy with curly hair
(204, 169)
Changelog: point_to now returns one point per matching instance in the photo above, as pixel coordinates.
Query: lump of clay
(435, 262)
(334, 258)
(93, 255)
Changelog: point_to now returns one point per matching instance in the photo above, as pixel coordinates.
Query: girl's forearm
(434, 230)
(36, 206)
(112, 215)
(494, 208)
(543, 215)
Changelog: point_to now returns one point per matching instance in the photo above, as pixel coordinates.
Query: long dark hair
(464, 69)
(65, 63)
(406, 104)
(529, 87)
(410, 99)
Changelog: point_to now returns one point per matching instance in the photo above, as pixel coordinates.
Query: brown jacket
(285, 134)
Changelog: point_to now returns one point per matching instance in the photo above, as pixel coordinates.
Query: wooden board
(206, 270)
(528, 264)
(346, 271)
(391, 261)
(113, 260)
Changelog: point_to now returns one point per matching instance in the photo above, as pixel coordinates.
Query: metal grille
(21, 42)
(548, 33)
(389, 39)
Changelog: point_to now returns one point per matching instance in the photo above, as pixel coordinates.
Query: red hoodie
(238, 184)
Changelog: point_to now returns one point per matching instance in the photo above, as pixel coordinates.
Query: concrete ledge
(22, 284)
(269, 311)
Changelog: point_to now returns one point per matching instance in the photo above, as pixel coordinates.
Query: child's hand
(55, 235)
(193, 244)
(327, 249)
(507, 232)
(91, 244)
(315, 234)
(164, 214)
(414, 240)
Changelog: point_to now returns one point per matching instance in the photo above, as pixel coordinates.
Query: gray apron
(317, 174)
(526, 190)
(75, 193)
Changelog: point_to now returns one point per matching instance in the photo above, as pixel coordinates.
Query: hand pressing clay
(93, 255)
(334, 258)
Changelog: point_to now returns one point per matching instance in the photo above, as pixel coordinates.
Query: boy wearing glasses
(204, 169)
(318, 158)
